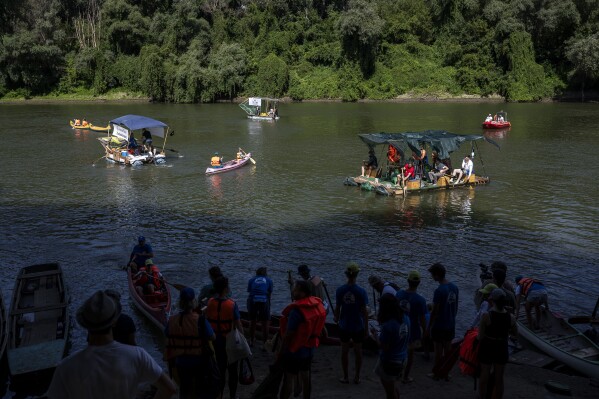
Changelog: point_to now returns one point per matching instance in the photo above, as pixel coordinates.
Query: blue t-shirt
(293, 322)
(260, 288)
(417, 310)
(446, 296)
(395, 336)
(352, 298)
(138, 249)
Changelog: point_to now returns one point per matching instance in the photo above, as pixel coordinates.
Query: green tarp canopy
(441, 141)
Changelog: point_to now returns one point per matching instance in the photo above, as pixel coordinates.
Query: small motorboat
(499, 121)
(242, 159)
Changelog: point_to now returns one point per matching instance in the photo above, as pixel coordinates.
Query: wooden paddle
(94, 163)
(251, 159)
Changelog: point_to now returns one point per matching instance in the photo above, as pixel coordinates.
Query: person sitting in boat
(133, 147)
(77, 122)
(216, 161)
(489, 118)
(409, 172)
(371, 164)
(147, 140)
(140, 254)
(534, 294)
(501, 118)
(153, 281)
(467, 166)
(239, 154)
(84, 122)
(271, 113)
(392, 155)
(439, 170)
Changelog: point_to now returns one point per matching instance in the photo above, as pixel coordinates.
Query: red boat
(499, 121)
(156, 307)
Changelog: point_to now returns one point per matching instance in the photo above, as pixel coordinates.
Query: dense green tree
(584, 55)
(272, 77)
(229, 63)
(125, 26)
(361, 29)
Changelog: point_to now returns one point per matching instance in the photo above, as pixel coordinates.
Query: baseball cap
(352, 268)
(488, 288)
(414, 275)
(141, 238)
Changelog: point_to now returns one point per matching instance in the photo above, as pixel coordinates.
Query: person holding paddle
(140, 254)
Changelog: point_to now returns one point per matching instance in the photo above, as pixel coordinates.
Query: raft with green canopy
(385, 178)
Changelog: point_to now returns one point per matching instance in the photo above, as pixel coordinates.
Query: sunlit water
(60, 203)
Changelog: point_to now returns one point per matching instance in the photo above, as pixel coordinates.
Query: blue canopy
(137, 122)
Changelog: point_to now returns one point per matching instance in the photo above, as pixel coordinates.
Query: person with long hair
(393, 343)
(494, 330)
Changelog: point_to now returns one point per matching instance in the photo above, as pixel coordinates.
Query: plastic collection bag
(237, 347)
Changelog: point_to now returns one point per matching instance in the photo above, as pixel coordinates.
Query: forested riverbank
(189, 51)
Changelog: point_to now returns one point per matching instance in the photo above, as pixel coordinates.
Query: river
(538, 214)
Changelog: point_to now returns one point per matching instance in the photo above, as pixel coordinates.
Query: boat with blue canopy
(122, 146)
(392, 175)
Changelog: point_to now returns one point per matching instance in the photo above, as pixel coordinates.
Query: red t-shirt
(408, 170)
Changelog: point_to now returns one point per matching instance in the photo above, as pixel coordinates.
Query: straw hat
(98, 312)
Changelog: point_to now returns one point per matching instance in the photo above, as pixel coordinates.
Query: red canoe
(496, 125)
(156, 307)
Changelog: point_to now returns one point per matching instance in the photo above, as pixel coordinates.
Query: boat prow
(156, 307)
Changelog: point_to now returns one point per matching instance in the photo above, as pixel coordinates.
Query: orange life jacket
(142, 277)
(469, 363)
(392, 154)
(308, 332)
(215, 161)
(220, 315)
(525, 284)
(183, 337)
(156, 278)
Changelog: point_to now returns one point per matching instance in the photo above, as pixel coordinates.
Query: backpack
(469, 363)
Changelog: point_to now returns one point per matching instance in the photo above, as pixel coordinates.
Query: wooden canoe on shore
(38, 320)
(560, 340)
(156, 307)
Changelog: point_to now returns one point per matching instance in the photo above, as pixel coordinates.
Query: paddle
(94, 163)
(251, 159)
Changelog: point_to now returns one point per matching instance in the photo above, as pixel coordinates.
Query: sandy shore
(521, 381)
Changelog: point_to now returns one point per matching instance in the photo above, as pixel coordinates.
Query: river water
(59, 203)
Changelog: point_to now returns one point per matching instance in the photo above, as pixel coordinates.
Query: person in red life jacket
(188, 337)
(494, 330)
(317, 285)
(141, 252)
(534, 294)
(392, 155)
(149, 279)
(300, 326)
(258, 303)
(223, 315)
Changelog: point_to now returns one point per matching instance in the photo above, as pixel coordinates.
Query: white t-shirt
(467, 166)
(111, 371)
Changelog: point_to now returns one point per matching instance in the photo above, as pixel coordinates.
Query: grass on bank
(80, 94)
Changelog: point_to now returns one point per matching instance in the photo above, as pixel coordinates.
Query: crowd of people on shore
(197, 336)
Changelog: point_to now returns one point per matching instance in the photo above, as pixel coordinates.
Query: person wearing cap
(495, 327)
(148, 279)
(484, 304)
(141, 252)
(318, 287)
(124, 329)
(352, 316)
(489, 118)
(534, 294)
(441, 327)
(417, 314)
(372, 163)
(106, 368)
(258, 303)
(382, 287)
(187, 351)
(216, 161)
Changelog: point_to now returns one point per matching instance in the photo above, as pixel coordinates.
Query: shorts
(258, 310)
(293, 365)
(442, 335)
(389, 371)
(537, 297)
(346, 336)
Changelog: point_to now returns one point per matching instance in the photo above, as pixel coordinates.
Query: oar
(328, 296)
(251, 159)
(94, 163)
(172, 149)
